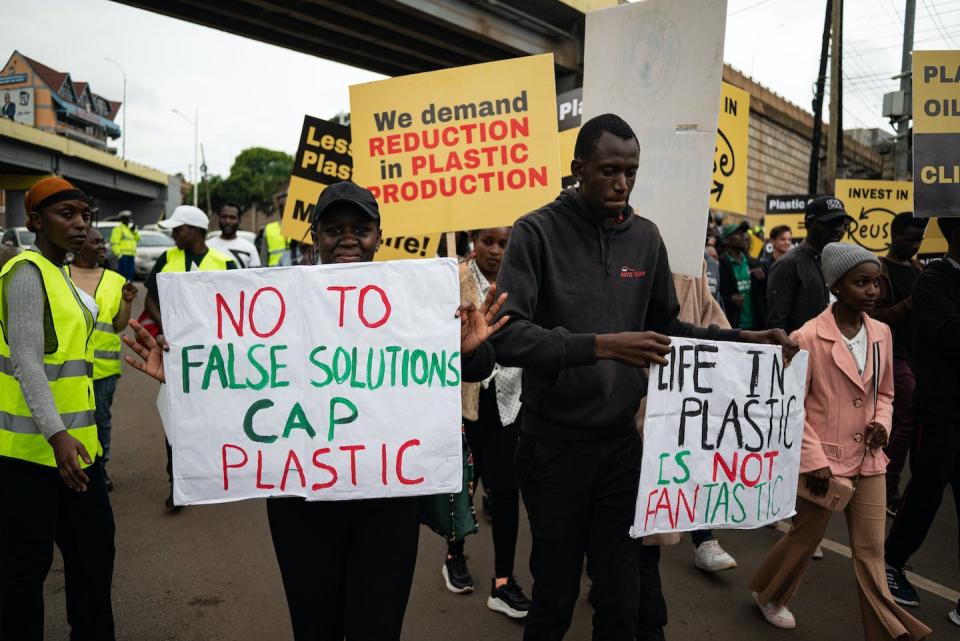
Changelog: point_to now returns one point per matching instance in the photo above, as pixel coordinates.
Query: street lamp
(123, 153)
(196, 148)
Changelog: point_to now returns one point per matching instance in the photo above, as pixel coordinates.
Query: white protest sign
(331, 382)
(722, 438)
(658, 64)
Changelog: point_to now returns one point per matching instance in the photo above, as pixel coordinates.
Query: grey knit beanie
(839, 258)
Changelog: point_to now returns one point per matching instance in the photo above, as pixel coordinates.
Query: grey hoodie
(569, 279)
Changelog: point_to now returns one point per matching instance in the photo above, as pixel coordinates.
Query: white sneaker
(954, 615)
(776, 615)
(818, 553)
(710, 557)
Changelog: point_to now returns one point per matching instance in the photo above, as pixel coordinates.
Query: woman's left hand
(476, 324)
(876, 436)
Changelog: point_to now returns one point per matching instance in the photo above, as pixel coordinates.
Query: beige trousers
(779, 575)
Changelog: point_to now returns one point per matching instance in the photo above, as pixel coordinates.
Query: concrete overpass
(27, 154)
(398, 37)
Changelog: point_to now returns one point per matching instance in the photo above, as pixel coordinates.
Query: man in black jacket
(591, 302)
(796, 291)
(936, 320)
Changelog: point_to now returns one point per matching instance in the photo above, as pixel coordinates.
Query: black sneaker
(903, 593)
(456, 575)
(508, 599)
(954, 614)
(893, 506)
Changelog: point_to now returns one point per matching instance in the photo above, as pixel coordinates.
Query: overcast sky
(254, 94)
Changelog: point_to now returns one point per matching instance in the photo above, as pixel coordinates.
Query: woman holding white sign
(358, 587)
(849, 407)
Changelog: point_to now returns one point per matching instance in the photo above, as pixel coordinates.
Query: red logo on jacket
(630, 272)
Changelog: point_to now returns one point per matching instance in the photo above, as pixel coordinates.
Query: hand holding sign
(638, 349)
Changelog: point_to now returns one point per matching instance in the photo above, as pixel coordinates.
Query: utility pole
(813, 180)
(906, 90)
(836, 128)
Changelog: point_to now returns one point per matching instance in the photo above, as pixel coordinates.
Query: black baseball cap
(825, 209)
(346, 192)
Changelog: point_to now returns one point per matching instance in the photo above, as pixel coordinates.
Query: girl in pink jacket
(849, 406)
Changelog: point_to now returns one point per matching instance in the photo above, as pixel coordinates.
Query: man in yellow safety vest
(271, 242)
(123, 242)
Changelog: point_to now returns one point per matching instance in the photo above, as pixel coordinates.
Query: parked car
(151, 246)
(19, 238)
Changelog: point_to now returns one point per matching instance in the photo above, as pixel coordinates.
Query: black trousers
(652, 608)
(580, 497)
(937, 464)
(494, 448)
(37, 511)
(346, 566)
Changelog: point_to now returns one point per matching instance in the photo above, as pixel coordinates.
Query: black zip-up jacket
(796, 291)
(936, 323)
(569, 279)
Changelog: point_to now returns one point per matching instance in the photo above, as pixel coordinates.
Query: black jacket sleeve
(728, 287)
(937, 314)
(781, 293)
(479, 365)
(522, 342)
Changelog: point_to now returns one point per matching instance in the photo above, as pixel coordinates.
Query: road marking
(917, 580)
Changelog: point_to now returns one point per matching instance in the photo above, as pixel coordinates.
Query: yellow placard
(729, 189)
(936, 133)
(461, 148)
(936, 92)
(873, 204)
(323, 158)
(407, 247)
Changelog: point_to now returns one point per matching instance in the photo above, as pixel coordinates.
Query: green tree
(255, 176)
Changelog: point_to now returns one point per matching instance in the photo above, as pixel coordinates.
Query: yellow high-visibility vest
(277, 243)
(213, 261)
(68, 371)
(105, 339)
(123, 240)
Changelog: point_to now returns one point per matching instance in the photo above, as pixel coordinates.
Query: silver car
(151, 246)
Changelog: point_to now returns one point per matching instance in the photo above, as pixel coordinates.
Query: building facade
(36, 95)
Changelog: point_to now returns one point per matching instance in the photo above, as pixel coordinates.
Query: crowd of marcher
(554, 372)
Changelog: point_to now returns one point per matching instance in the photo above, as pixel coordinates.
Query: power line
(938, 22)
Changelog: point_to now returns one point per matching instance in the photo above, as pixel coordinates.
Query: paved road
(208, 573)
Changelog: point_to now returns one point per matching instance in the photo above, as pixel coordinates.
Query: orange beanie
(51, 191)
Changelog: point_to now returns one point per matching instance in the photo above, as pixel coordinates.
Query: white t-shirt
(243, 250)
(858, 347)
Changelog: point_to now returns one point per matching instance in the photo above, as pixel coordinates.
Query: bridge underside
(398, 37)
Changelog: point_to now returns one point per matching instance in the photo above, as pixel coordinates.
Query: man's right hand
(67, 451)
(639, 349)
(737, 300)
